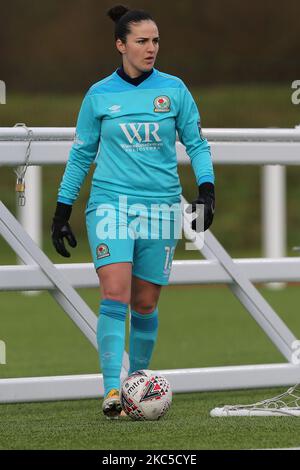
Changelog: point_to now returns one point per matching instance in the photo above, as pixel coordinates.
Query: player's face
(141, 48)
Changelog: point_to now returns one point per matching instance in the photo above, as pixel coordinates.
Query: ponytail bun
(116, 12)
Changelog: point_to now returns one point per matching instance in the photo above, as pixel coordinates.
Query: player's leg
(153, 256)
(115, 285)
(112, 259)
(144, 322)
(151, 270)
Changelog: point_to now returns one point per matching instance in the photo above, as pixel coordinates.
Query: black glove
(61, 228)
(206, 196)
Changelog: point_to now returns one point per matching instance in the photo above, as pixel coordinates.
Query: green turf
(220, 106)
(80, 425)
(199, 326)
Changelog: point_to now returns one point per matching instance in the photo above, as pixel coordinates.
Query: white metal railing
(51, 146)
(212, 134)
(83, 275)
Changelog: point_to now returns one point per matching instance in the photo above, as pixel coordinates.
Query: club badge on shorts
(102, 251)
(162, 104)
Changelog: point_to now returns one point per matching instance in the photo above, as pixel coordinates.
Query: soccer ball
(146, 395)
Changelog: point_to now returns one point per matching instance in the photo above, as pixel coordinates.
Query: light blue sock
(111, 341)
(143, 334)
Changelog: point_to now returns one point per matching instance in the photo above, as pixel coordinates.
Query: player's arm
(188, 126)
(82, 154)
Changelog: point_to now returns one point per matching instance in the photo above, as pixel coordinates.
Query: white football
(146, 395)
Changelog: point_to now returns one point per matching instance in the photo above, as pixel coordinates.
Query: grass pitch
(199, 326)
(80, 425)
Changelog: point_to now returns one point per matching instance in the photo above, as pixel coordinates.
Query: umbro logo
(115, 108)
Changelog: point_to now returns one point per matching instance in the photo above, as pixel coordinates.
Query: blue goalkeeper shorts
(132, 229)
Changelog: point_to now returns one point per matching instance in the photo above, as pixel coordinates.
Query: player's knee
(143, 307)
(116, 295)
(115, 291)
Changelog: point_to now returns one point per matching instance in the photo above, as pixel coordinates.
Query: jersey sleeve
(83, 151)
(188, 126)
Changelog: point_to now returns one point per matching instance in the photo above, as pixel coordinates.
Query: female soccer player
(133, 114)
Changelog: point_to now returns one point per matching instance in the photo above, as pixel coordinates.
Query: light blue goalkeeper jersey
(130, 133)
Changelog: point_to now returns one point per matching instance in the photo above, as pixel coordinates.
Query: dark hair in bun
(123, 17)
(116, 12)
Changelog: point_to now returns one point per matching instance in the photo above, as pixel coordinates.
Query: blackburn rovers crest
(162, 104)
(102, 251)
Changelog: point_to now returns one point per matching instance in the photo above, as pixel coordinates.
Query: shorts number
(169, 256)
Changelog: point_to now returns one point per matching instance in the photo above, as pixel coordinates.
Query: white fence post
(30, 215)
(274, 213)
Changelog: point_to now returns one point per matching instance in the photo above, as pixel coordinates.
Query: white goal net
(286, 404)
